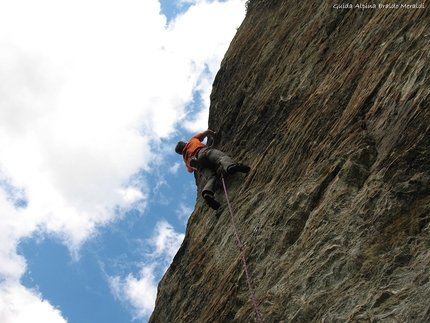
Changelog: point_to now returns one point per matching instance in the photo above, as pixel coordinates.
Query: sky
(94, 201)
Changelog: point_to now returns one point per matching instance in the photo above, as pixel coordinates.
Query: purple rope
(242, 253)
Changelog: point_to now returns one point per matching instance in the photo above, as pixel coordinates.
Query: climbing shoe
(238, 168)
(211, 201)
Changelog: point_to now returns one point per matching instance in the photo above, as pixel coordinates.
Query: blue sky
(93, 200)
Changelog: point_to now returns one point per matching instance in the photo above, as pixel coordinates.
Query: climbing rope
(241, 247)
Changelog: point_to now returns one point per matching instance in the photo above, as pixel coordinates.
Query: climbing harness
(241, 247)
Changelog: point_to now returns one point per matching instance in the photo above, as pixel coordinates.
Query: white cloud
(140, 292)
(15, 223)
(206, 46)
(84, 95)
(174, 169)
(166, 240)
(184, 212)
(131, 194)
(18, 305)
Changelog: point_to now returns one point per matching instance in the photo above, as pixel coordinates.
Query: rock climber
(199, 157)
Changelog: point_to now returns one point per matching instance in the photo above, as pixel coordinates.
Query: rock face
(331, 109)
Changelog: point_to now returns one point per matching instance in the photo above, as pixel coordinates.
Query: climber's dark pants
(209, 159)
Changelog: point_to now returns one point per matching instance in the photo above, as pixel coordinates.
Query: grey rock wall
(331, 109)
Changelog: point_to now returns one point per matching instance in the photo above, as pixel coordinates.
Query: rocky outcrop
(331, 109)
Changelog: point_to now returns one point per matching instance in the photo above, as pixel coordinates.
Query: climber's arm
(206, 133)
